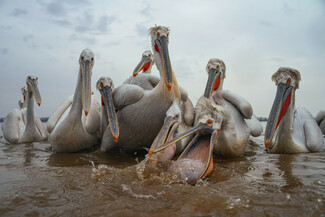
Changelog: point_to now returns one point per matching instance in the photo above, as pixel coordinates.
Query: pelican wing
(40, 127)
(239, 102)
(91, 122)
(313, 134)
(188, 112)
(256, 129)
(146, 81)
(184, 94)
(127, 94)
(320, 116)
(57, 115)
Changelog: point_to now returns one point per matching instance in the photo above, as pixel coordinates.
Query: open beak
(212, 83)
(281, 102)
(144, 65)
(86, 85)
(196, 161)
(110, 109)
(36, 92)
(161, 46)
(165, 135)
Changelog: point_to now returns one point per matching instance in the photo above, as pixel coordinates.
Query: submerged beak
(86, 85)
(165, 135)
(110, 109)
(36, 92)
(212, 83)
(281, 102)
(144, 65)
(161, 46)
(196, 161)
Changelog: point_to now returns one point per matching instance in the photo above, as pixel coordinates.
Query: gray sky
(254, 38)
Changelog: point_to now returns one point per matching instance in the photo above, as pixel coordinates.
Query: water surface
(36, 182)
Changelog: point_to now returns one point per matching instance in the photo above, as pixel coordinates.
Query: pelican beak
(199, 128)
(281, 102)
(110, 109)
(212, 83)
(196, 161)
(36, 92)
(165, 134)
(161, 46)
(86, 70)
(144, 65)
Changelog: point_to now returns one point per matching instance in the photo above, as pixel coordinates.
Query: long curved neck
(174, 92)
(30, 109)
(76, 107)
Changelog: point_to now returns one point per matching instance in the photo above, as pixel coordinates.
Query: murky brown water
(36, 182)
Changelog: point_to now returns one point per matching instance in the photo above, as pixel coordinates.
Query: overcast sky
(254, 38)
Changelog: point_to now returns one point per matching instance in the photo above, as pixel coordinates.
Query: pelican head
(24, 93)
(287, 81)
(145, 63)
(86, 62)
(159, 41)
(105, 86)
(208, 123)
(32, 88)
(21, 104)
(216, 69)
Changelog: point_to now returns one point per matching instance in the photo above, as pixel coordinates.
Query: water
(36, 182)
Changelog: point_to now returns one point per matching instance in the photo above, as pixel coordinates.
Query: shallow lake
(36, 182)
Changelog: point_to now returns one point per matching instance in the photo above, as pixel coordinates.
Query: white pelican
(320, 119)
(141, 112)
(77, 132)
(15, 130)
(290, 130)
(145, 79)
(241, 123)
(109, 123)
(196, 161)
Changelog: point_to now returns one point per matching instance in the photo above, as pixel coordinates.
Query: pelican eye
(209, 122)
(92, 59)
(82, 58)
(167, 34)
(289, 81)
(101, 84)
(158, 34)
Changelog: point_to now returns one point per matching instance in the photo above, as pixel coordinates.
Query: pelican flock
(155, 113)
(23, 125)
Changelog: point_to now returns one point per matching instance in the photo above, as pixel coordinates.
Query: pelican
(109, 123)
(320, 119)
(141, 112)
(241, 122)
(77, 132)
(290, 130)
(196, 161)
(14, 129)
(145, 79)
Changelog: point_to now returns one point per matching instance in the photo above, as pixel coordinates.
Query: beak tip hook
(86, 112)
(115, 138)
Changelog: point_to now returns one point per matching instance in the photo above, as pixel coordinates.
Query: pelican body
(290, 130)
(23, 126)
(141, 112)
(320, 119)
(77, 132)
